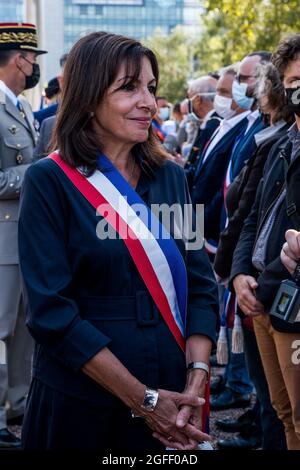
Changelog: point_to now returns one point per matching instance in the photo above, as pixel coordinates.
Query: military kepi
(19, 36)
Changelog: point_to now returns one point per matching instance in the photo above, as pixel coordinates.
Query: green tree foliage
(174, 54)
(232, 28)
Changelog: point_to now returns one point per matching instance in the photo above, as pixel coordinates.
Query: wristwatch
(150, 399)
(198, 365)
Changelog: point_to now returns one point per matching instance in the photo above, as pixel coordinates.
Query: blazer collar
(12, 109)
(15, 113)
(223, 142)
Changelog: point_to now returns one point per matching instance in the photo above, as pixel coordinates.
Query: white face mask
(222, 105)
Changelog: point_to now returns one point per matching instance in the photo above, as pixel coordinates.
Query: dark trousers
(54, 421)
(272, 427)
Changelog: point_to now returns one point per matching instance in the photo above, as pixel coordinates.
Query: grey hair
(205, 84)
(268, 80)
(230, 70)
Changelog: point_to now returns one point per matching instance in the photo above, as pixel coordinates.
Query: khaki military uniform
(17, 141)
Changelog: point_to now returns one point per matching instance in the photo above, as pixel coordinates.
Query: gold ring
(170, 438)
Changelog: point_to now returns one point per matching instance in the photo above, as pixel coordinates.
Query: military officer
(18, 72)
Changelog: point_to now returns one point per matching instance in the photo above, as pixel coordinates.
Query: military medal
(13, 129)
(19, 159)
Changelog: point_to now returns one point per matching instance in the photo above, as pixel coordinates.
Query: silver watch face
(150, 399)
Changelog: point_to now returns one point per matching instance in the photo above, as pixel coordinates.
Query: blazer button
(278, 183)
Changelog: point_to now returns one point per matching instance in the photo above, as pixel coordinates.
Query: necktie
(21, 109)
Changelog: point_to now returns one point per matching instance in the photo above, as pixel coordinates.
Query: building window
(99, 10)
(83, 10)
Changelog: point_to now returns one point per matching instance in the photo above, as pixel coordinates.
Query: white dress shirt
(7, 91)
(225, 126)
(252, 118)
(207, 118)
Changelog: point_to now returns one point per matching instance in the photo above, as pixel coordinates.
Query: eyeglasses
(243, 78)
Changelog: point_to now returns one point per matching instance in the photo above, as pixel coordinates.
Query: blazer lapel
(222, 146)
(219, 148)
(13, 111)
(29, 121)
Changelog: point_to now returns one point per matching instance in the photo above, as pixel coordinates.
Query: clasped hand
(176, 420)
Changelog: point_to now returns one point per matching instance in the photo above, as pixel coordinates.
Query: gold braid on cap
(18, 37)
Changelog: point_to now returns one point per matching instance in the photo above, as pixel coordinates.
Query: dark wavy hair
(287, 50)
(92, 66)
(269, 84)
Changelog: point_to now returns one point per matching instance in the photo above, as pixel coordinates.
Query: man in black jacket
(201, 95)
(257, 269)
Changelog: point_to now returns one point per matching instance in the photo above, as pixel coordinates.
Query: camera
(286, 304)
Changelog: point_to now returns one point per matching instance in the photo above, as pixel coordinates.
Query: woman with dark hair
(123, 315)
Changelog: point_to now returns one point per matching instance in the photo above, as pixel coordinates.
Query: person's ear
(234, 105)
(18, 60)
(60, 79)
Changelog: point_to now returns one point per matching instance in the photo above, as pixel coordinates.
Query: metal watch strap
(150, 399)
(198, 365)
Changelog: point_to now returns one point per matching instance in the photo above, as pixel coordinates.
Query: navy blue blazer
(199, 144)
(245, 147)
(215, 215)
(85, 294)
(209, 176)
(45, 113)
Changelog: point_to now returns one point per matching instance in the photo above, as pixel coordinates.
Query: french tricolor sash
(157, 258)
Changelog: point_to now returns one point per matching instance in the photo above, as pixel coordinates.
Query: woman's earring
(92, 114)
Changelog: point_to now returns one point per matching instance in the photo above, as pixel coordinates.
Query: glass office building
(11, 10)
(134, 18)
(62, 22)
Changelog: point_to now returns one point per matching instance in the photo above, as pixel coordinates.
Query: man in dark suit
(201, 95)
(213, 161)
(48, 122)
(42, 148)
(243, 92)
(51, 110)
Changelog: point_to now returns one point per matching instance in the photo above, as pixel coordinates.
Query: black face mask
(33, 79)
(293, 99)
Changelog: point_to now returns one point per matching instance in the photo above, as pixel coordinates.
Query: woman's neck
(120, 156)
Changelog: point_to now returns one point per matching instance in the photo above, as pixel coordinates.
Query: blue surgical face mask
(239, 91)
(164, 113)
(191, 116)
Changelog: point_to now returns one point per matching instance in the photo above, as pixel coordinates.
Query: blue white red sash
(157, 259)
(227, 182)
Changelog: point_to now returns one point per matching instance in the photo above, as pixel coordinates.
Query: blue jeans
(236, 374)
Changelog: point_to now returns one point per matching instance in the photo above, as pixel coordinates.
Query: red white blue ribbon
(157, 258)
